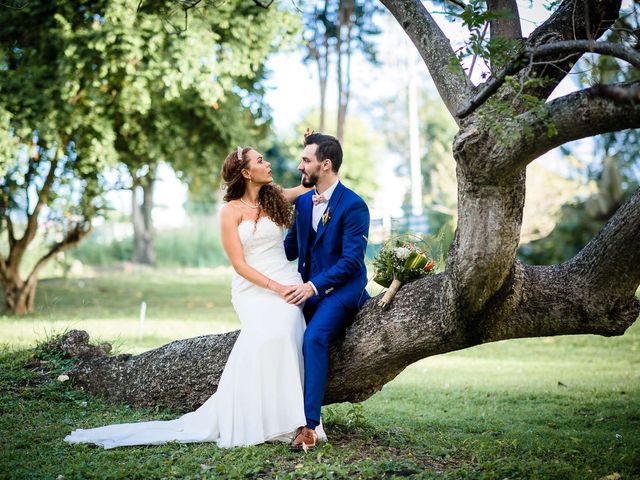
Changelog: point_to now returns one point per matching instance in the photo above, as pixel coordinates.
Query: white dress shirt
(318, 211)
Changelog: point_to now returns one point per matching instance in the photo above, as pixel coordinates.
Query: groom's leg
(328, 320)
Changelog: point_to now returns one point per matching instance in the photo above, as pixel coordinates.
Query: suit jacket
(333, 259)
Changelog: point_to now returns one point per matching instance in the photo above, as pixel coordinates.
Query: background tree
(485, 293)
(335, 30)
(53, 152)
(83, 86)
(436, 128)
(177, 96)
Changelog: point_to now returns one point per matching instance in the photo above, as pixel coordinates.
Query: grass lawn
(563, 407)
(179, 304)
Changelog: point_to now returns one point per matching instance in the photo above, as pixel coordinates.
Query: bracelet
(268, 282)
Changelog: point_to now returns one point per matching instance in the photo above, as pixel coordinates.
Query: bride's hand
(278, 288)
(298, 294)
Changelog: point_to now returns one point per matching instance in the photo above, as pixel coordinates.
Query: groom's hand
(298, 294)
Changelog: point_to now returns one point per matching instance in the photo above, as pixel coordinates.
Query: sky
(292, 91)
(292, 86)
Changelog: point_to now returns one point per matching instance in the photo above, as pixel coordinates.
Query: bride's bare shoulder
(230, 214)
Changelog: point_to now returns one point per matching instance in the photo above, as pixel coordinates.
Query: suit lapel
(330, 210)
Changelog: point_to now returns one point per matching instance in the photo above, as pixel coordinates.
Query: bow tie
(318, 199)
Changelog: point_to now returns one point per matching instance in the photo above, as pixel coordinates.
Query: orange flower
(429, 266)
(326, 217)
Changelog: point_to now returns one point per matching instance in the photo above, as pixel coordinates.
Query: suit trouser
(326, 318)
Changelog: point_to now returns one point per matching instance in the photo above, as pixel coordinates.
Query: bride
(260, 393)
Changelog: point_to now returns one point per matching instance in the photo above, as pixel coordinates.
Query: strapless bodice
(263, 248)
(261, 238)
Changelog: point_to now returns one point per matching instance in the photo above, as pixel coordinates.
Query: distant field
(179, 304)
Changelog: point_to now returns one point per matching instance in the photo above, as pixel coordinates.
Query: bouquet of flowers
(400, 260)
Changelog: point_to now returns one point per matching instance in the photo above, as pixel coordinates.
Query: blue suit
(333, 260)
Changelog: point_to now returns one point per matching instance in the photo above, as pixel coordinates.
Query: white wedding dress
(260, 393)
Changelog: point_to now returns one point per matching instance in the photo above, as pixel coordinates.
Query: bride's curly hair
(271, 197)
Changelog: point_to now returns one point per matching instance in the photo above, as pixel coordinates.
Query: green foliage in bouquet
(403, 258)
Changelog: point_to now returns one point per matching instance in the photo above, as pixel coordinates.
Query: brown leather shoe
(306, 438)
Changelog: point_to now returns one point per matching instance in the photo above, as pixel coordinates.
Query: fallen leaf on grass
(612, 476)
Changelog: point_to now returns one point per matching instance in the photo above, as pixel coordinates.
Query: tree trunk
(485, 294)
(28, 297)
(344, 48)
(322, 74)
(378, 345)
(17, 294)
(339, 75)
(141, 214)
(20, 294)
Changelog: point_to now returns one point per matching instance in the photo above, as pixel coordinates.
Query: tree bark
(17, 293)
(507, 26)
(141, 214)
(574, 116)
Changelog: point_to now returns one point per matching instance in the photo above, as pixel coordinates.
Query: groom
(329, 239)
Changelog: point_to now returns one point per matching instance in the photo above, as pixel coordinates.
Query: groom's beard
(309, 180)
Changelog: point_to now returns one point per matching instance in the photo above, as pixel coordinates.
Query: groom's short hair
(328, 148)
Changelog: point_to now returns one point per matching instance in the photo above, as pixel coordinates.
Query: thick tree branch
(70, 240)
(577, 115)
(573, 20)
(585, 46)
(616, 248)
(544, 51)
(617, 93)
(10, 231)
(505, 26)
(421, 322)
(434, 47)
(417, 325)
(3, 268)
(43, 194)
(594, 292)
(541, 301)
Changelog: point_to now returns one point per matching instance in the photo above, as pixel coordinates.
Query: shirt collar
(329, 191)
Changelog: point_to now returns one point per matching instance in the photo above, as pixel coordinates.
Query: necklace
(249, 205)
